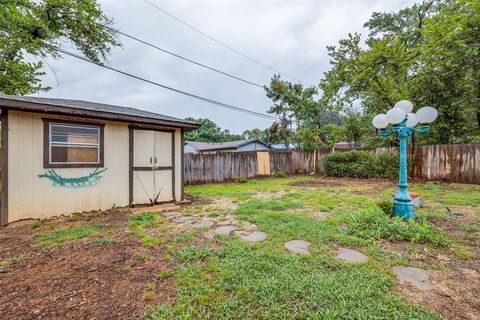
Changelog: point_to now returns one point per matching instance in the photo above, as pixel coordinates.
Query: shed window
(74, 145)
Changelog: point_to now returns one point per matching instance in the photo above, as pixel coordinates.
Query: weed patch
(374, 224)
(59, 237)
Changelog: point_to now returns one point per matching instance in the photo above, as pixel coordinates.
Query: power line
(191, 95)
(225, 45)
(183, 58)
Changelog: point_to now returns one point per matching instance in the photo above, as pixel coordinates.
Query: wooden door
(143, 164)
(153, 166)
(163, 177)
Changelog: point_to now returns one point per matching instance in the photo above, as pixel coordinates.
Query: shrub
(362, 164)
(242, 180)
(386, 206)
(281, 175)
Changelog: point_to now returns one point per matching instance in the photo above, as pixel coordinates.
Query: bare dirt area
(84, 279)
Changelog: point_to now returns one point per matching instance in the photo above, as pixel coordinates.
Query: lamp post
(403, 123)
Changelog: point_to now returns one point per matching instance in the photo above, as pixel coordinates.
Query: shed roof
(91, 110)
(211, 146)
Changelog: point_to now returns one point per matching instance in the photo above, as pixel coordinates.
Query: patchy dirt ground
(110, 270)
(83, 279)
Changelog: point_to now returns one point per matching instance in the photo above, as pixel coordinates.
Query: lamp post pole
(404, 123)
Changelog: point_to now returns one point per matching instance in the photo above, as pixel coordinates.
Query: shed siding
(33, 197)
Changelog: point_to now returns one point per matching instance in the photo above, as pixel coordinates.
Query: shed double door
(153, 164)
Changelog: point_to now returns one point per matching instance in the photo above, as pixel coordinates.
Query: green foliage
(290, 101)
(256, 133)
(145, 220)
(191, 253)
(59, 237)
(427, 53)
(104, 240)
(361, 164)
(280, 175)
(386, 206)
(10, 260)
(242, 180)
(149, 241)
(141, 257)
(209, 132)
(36, 28)
(373, 224)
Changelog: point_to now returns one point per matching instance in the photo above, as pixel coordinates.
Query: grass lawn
(173, 271)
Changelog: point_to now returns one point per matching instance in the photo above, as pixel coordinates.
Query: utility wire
(191, 95)
(225, 45)
(183, 58)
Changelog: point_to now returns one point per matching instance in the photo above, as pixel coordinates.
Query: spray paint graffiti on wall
(84, 181)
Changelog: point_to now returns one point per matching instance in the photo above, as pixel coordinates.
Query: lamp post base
(403, 208)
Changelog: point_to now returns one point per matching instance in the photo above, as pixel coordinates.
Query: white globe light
(395, 115)
(427, 114)
(380, 121)
(411, 120)
(405, 105)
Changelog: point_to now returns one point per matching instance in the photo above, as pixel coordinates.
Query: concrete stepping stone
(225, 230)
(171, 214)
(418, 278)
(203, 224)
(183, 219)
(297, 246)
(256, 236)
(351, 256)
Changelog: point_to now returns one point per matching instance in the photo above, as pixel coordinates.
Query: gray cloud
(290, 36)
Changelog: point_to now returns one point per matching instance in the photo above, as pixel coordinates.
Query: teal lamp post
(404, 123)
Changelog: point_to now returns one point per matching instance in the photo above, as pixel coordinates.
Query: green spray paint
(85, 181)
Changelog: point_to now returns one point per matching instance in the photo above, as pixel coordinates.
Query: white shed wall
(30, 196)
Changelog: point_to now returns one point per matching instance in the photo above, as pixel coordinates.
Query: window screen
(74, 144)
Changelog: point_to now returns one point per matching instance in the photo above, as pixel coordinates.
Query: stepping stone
(256, 236)
(171, 214)
(225, 230)
(183, 219)
(352, 256)
(297, 246)
(418, 278)
(203, 224)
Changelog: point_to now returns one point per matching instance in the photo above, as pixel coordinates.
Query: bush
(362, 164)
(242, 180)
(386, 206)
(281, 175)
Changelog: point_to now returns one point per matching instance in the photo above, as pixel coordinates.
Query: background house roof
(209, 146)
(91, 109)
(283, 146)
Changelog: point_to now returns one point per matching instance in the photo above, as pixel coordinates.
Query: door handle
(150, 159)
(155, 160)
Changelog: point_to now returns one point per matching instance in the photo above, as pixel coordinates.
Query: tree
(290, 101)
(428, 53)
(209, 132)
(37, 28)
(255, 134)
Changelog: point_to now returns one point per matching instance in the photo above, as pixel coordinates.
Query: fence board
(452, 163)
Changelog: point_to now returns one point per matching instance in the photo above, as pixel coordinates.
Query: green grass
(104, 240)
(11, 260)
(145, 220)
(262, 281)
(59, 237)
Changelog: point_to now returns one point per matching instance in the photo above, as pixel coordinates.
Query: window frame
(47, 144)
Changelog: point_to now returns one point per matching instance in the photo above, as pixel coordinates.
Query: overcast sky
(290, 36)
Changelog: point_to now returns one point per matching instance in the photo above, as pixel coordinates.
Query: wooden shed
(65, 156)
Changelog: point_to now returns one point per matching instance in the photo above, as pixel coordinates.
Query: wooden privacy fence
(453, 163)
